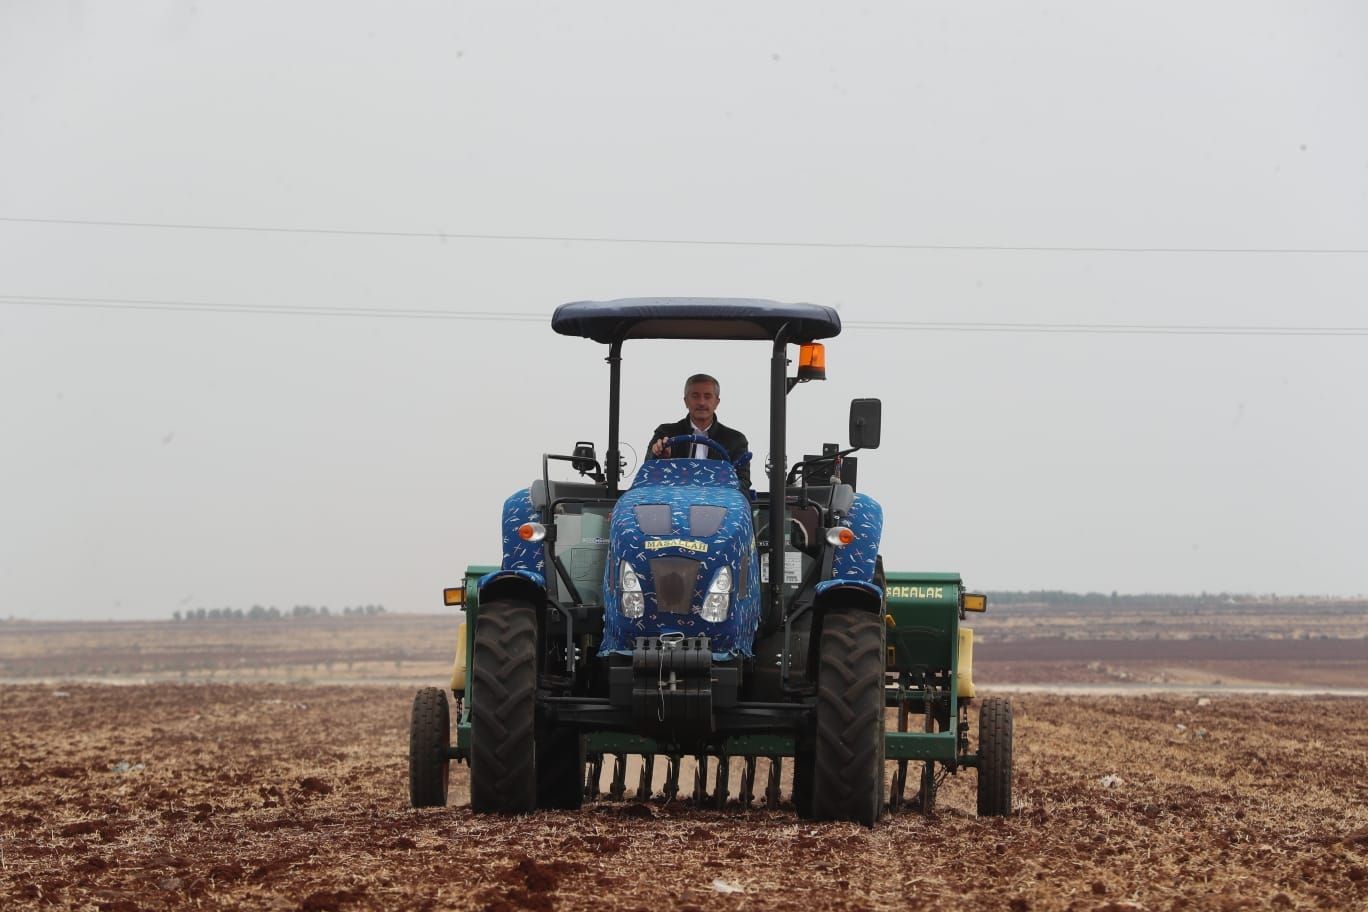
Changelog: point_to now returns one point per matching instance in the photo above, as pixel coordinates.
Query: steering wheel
(699, 438)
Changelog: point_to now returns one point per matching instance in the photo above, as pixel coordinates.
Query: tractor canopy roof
(694, 318)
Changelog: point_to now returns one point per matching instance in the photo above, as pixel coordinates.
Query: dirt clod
(328, 900)
(314, 786)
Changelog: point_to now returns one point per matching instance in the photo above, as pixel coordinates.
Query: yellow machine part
(458, 668)
(964, 686)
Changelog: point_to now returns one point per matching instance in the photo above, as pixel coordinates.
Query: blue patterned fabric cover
(680, 484)
(671, 473)
(519, 555)
(856, 560)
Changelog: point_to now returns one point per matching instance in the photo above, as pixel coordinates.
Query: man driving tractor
(702, 394)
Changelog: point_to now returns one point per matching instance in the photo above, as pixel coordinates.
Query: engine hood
(680, 522)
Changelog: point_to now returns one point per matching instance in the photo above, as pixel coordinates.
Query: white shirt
(700, 449)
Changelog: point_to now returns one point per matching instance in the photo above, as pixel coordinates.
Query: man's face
(701, 400)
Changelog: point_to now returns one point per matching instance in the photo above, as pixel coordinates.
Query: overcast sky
(219, 445)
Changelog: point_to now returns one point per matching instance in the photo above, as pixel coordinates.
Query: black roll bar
(612, 457)
(778, 462)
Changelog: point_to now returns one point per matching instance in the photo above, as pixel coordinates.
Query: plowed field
(260, 796)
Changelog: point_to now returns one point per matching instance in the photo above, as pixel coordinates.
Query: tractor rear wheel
(429, 738)
(995, 758)
(847, 780)
(503, 755)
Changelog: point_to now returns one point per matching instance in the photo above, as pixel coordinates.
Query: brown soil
(405, 647)
(1324, 663)
(1232, 645)
(288, 797)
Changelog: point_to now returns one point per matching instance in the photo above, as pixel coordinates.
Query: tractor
(683, 616)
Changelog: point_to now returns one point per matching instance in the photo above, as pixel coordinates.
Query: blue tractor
(685, 616)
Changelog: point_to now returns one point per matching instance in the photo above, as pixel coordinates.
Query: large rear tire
(848, 781)
(429, 738)
(995, 758)
(503, 755)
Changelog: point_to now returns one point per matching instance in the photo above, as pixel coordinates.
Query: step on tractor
(685, 623)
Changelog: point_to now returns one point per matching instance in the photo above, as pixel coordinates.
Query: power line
(689, 242)
(515, 317)
(273, 309)
(1114, 328)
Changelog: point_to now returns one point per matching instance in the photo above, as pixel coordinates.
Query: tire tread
(848, 772)
(503, 773)
(995, 758)
(429, 737)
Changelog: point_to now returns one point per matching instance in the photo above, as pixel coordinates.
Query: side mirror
(865, 415)
(584, 460)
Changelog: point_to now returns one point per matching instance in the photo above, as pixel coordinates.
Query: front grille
(674, 579)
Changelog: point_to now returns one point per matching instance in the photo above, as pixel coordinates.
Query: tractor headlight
(718, 600)
(633, 602)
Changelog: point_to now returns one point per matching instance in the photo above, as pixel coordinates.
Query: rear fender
(846, 594)
(518, 585)
(849, 593)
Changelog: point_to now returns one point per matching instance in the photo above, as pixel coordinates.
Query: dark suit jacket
(734, 441)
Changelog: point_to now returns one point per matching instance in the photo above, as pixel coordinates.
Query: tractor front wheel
(503, 768)
(995, 758)
(429, 738)
(847, 780)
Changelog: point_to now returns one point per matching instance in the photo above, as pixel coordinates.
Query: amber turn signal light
(811, 362)
(973, 601)
(839, 536)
